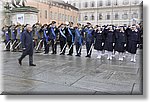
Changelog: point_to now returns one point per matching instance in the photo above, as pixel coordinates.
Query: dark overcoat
(27, 42)
(99, 39)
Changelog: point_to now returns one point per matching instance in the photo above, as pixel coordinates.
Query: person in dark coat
(70, 34)
(120, 44)
(89, 38)
(53, 37)
(78, 39)
(99, 41)
(109, 41)
(62, 39)
(27, 45)
(133, 41)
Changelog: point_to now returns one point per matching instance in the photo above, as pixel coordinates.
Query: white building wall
(122, 7)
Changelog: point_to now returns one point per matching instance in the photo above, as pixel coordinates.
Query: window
(92, 17)
(79, 5)
(108, 3)
(40, 13)
(100, 16)
(125, 2)
(135, 2)
(115, 2)
(86, 4)
(45, 14)
(108, 16)
(79, 17)
(125, 15)
(116, 16)
(135, 14)
(74, 4)
(92, 4)
(100, 3)
(85, 17)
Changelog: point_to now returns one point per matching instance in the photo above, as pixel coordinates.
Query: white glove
(113, 44)
(137, 45)
(125, 45)
(102, 44)
(24, 48)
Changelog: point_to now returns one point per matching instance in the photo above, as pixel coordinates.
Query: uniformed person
(13, 37)
(53, 36)
(133, 41)
(99, 41)
(27, 45)
(121, 39)
(89, 37)
(70, 37)
(109, 41)
(46, 38)
(7, 38)
(78, 39)
(62, 39)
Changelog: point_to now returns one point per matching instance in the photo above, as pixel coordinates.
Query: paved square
(56, 74)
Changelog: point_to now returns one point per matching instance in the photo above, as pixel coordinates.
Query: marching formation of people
(107, 38)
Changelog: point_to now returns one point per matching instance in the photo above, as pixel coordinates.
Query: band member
(27, 45)
(133, 41)
(99, 41)
(78, 40)
(46, 38)
(89, 39)
(121, 39)
(53, 36)
(70, 37)
(62, 39)
(109, 41)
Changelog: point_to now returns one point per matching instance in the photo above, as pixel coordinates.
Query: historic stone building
(102, 12)
(48, 10)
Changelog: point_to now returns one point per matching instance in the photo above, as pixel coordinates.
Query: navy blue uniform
(46, 39)
(109, 40)
(89, 37)
(133, 40)
(78, 41)
(121, 39)
(99, 39)
(63, 40)
(53, 37)
(70, 33)
(27, 43)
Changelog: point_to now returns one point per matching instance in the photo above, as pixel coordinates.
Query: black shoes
(20, 62)
(69, 54)
(62, 54)
(88, 56)
(78, 55)
(32, 65)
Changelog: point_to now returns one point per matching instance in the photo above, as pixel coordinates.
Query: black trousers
(24, 54)
(88, 46)
(46, 46)
(54, 47)
(62, 44)
(78, 48)
(71, 50)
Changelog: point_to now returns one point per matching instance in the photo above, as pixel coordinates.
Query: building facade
(103, 12)
(50, 10)
(56, 10)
